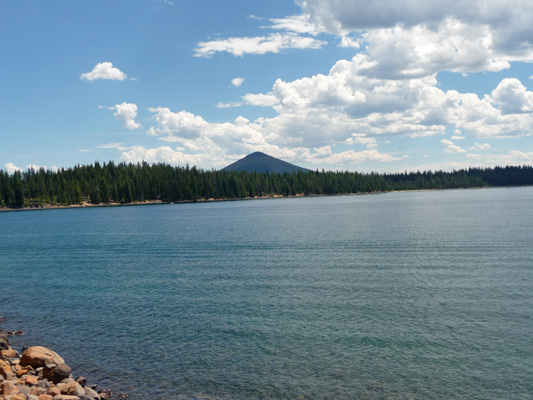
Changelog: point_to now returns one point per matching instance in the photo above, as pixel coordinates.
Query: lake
(414, 295)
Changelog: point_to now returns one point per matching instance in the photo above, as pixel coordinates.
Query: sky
(355, 85)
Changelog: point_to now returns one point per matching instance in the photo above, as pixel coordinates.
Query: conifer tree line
(129, 183)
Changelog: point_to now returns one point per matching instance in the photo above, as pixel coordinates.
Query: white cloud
(295, 23)
(216, 143)
(361, 138)
(44, 167)
(12, 168)
(261, 100)
(513, 97)
(117, 146)
(343, 16)
(480, 146)
(237, 82)
(347, 41)
(104, 70)
(416, 37)
(451, 147)
(457, 135)
(165, 154)
(183, 123)
(229, 105)
(513, 157)
(125, 114)
(273, 43)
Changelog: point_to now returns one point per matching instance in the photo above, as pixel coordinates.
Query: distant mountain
(261, 162)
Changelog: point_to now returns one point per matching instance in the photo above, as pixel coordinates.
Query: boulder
(8, 353)
(5, 370)
(7, 388)
(39, 356)
(75, 389)
(4, 345)
(56, 373)
(53, 391)
(25, 390)
(31, 380)
(91, 393)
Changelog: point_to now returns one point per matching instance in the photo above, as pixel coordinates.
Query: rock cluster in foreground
(40, 374)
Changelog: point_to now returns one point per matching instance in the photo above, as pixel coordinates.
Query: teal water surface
(419, 295)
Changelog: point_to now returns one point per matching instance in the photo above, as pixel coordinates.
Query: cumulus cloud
(361, 138)
(125, 113)
(347, 41)
(343, 16)
(237, 82)
(389, 88)
(457, 135)
(480, 146)
(413, 38)
(513, 157)
(104, 70)
(451, 147)
(273, 43)
(216, 143)
(294, 23)
(12, 168)
(165, 154)
(183, 123)
(512, 97)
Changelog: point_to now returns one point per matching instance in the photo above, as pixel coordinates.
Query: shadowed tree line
(129, 183)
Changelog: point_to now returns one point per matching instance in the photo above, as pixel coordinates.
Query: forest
(124, 183)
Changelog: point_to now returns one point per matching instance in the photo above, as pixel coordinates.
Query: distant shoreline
(156, 202)
(213, 200)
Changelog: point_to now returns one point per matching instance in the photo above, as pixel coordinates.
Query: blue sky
(344, 85)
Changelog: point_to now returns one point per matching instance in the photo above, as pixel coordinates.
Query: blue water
(418, 295)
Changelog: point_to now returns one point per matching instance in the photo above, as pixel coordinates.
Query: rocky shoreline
(39, 373)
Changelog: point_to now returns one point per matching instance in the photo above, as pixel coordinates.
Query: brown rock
(91, 393)
(8, 353)
(66, 397)
(21, 372)
(54, 391)
(5, 370)
(37, 391)
(45, 397)
(39, 356)
(75, 389)
(31, 380)
(63, 387)
(19, 396)
(7, 388)
(57, 373)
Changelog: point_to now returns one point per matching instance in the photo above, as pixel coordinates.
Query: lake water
(418, 295)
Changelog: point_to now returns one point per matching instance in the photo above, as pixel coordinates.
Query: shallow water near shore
(416, 295)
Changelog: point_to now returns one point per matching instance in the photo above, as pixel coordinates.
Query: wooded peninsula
(122, 183)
